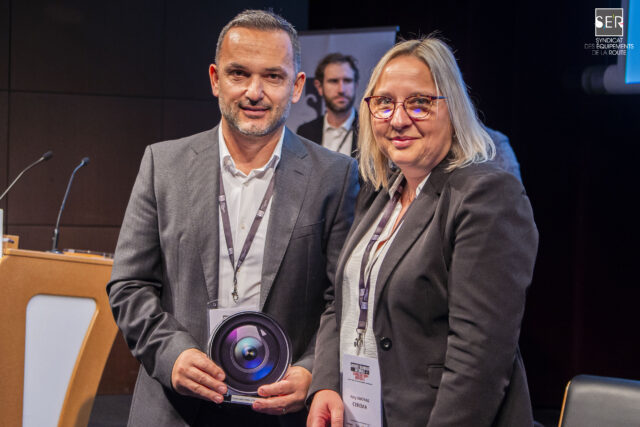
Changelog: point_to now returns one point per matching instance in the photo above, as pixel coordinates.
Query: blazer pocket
(434, 375)
(307, 230)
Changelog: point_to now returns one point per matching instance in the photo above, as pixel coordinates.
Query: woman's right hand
(326, 409)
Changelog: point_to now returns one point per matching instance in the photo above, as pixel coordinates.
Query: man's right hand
(194, 374)
(326, 409)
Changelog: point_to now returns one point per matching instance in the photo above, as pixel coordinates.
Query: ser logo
(360, 372)
(609, 22)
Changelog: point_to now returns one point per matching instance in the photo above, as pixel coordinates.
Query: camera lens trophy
(252, 350)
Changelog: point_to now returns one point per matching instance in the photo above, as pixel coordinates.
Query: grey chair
(591, 401)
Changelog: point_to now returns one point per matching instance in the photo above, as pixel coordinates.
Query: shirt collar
(226, 161)
(398, 180)
(346, 125)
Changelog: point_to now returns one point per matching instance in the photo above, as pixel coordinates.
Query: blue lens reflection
(249, 352)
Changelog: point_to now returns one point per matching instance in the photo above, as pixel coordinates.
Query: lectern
(56, 331)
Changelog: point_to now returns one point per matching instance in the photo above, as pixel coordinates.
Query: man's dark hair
(337, 58)
(264, 20)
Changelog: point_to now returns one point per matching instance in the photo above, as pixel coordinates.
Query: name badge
(361, 391)
(217, 315)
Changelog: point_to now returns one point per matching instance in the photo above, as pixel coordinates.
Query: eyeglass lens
(417, 107)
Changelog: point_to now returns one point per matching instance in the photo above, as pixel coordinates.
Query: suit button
(385, 343)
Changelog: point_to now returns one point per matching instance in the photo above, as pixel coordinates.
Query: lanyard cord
(226, 225)
(344, 139)
(364, 283)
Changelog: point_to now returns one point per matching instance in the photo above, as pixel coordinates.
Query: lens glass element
(249, 352)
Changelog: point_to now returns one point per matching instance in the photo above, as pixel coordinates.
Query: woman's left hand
(286, 395)
(327, 409)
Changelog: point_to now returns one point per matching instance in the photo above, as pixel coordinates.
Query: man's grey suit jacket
(166, 263)
(448, 302)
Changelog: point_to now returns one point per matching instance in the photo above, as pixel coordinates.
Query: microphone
(56, 231)
(45, 156)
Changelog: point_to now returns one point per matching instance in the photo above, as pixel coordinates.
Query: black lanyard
(365, 279)
(226, 225)
(343, 140)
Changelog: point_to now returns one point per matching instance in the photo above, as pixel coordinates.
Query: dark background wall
(104, 79)
(100, 79)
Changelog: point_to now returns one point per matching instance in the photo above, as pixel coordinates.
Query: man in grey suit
(174, 262)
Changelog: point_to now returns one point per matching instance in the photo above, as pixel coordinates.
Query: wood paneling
(4, 120)
(186, 117)
(112, 131)
(74, 46)
(5, 32)
(192, 33)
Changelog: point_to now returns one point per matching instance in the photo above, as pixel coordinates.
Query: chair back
(591, 401)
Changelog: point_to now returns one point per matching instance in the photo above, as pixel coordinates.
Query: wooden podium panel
(25, 274)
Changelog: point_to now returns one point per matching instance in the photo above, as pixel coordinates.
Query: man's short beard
(334, 108)
(232, 119)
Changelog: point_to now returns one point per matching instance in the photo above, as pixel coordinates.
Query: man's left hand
(287, 395)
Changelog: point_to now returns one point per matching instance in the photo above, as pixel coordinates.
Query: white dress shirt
(351, 280)
(244, 193)
(332, 137)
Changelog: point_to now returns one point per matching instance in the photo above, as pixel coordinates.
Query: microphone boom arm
(45, 156)
(56, 231)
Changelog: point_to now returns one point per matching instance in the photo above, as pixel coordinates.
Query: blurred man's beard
(339, 109)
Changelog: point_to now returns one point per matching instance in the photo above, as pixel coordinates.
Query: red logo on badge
(360, 372)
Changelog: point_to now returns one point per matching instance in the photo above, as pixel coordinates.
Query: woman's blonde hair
(471, 143)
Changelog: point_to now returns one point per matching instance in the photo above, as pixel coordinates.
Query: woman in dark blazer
(432, 279)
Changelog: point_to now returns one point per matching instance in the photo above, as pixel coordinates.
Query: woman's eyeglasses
(417, 107)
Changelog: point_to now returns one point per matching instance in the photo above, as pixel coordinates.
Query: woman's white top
(351, 278)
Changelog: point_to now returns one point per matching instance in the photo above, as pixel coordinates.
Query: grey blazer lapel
(290, 189)
(417, 219)
(203, 178)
